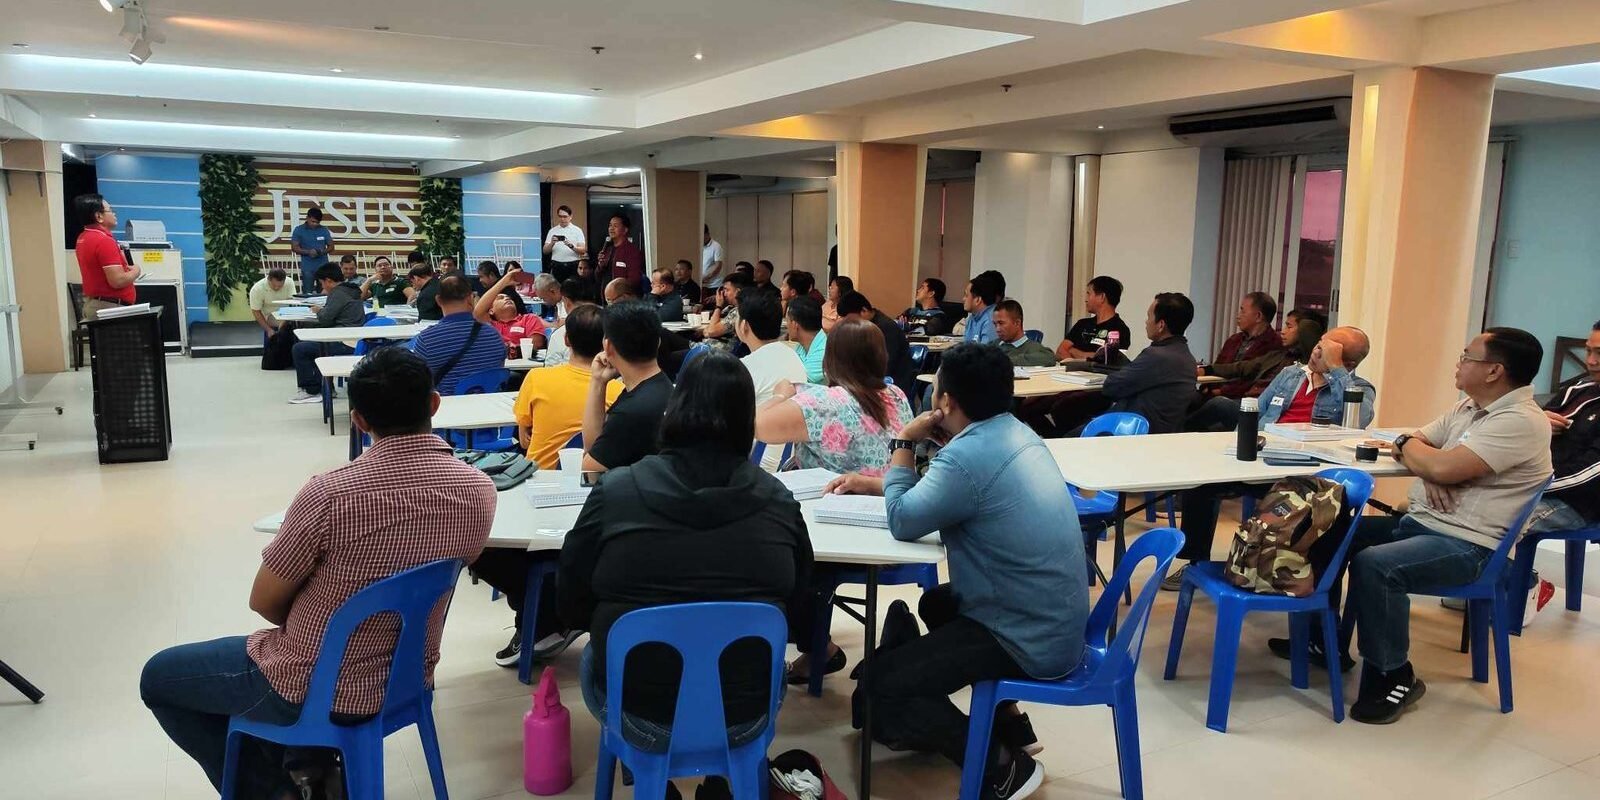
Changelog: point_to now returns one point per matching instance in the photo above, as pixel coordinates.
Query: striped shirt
(440, 343)
(405, 502)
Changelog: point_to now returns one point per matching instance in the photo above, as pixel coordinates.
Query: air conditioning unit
(1290, 123)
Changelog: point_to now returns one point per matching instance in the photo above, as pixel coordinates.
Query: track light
(113, 5)
(133, 23)
(140, 52)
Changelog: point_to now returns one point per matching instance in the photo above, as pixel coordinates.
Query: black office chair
(80, 334)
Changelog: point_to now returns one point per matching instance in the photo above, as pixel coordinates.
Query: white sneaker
(1538, 597)
(303, 397)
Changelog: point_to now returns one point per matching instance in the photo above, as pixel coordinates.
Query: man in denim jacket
(1300, 393)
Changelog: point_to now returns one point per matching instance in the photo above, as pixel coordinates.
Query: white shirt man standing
(711, 274)
(564, 243)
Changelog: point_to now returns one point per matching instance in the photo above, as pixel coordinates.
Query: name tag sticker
(1277, 401)
(1098, 342)
(622, 263)
(516, 329)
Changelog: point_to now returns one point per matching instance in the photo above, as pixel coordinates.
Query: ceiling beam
(188, 137)
(18, 120)
(1513, 37)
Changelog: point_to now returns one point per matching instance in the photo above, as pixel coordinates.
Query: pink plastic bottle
(547, 740)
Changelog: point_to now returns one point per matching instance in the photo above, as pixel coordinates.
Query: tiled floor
(101, 567)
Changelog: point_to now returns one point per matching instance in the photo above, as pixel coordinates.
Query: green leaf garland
(439, 227)
(233, 248)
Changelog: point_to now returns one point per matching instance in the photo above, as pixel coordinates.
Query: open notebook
(852, 509)
(806, 484)
(549, 494)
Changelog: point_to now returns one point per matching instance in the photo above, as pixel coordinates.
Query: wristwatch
(901, 444)
(1400, 444)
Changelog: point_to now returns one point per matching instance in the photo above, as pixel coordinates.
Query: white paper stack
(1307, 432)
(123, 311)
(807, 484)
(1028, 372)
(1081, 378)
(1296, 451)
(852, 509)
(553, 495)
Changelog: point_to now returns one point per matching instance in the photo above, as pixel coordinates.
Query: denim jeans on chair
(1391, 558)
(193, 690)
(648, 736)
(1553, 514)
(306, 354)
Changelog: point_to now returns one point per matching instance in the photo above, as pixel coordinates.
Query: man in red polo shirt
(107, 276)
(621, 258)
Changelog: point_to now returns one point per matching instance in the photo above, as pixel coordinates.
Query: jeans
(193, 690)
(910, 685)
(308, 279)
(1391, 558)
(652, 737)
(305, 355)
(1215, 414)
(1553, 514)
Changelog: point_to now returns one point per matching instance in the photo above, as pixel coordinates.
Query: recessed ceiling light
(112, 5)
(92, 114)
(699, 56)
(336, 69)
(1099, 127)
(455, 136)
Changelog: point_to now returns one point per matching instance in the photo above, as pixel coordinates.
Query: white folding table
(518, 524)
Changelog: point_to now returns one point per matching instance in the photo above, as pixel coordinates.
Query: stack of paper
(1310, 454)
(552, 495)
(807, 484)
(123, 311)
(1307, 432)
(852, 509)
(1028, 372)
(1081, 378)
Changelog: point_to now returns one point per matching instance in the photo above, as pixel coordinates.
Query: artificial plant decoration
(439, 228)
(233, 248)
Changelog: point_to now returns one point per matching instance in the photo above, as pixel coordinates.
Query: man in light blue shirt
(805, 329)
(1017, 600)
(312, 243)
(981, 295)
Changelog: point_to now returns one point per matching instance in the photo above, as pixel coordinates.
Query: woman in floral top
(845, 426)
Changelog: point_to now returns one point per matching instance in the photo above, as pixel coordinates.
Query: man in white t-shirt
(711, 273)
(276, 286)
(770, 361)
(564, 244)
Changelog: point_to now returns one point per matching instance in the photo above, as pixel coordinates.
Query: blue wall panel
(165, 188)
(124, 166)
(513, 199)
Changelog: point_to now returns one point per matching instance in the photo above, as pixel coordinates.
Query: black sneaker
(1314, 654)
(1386, 695)
(1174, 580)
(1017, 729)
(799, 677)
(554, 645)
(1016, 780)
(512, 652)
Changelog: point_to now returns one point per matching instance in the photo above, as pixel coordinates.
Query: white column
(1021, 221)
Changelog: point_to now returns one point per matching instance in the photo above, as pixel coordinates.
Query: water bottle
(1352, 408)
(547, 740)
(1112, 339)
(1249, 417)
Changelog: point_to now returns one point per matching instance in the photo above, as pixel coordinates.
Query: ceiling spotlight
(699, 56)
(337, 69)
(133, 23)
(113, 5)
(140, 52)
(1099, 127)
(93, 115)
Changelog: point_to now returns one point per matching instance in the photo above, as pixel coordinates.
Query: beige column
(1417, 144)
(879, 198)
(674, 203)
(35, 210)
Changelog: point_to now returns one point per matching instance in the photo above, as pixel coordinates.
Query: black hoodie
(684, 526)
(1575, 452)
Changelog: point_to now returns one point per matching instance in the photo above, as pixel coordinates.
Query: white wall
(1021, 218)
(10, 336)
(1159, 219)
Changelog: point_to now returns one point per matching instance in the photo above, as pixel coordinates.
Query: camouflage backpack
(1270, 551)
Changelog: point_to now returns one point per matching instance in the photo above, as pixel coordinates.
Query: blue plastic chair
(700, 632)
(1104, 678)
(540, 569)
(1489, 605)
(695, 351)
(1233, 603)
(1098, 513)
(1576, 540)
(1034, 334)
(485, 381)
(924, 576)
(759, 451)
(365, 346)
(407, 700)
(575, 441)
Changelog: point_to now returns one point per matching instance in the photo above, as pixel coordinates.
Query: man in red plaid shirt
(405, 502)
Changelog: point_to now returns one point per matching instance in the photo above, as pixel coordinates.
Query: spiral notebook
(852, 509)
(806, 484)
(547, 494)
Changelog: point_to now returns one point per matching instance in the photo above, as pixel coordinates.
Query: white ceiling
(513, 44)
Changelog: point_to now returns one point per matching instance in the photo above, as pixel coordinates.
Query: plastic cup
(527, 348)
(571, 463)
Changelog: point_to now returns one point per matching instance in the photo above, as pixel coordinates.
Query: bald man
(1299, 393)
(618, 290)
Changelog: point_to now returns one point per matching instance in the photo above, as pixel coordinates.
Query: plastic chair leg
(605, 773)
(749, 778)
(1224, 658)
(650, 777)
(230, 765)
(979, 726)
(1575, 556)
(537, 572)
(1481, 610)
(1180, 623)
(1125, 718)
(1299, 641)
(1330, 647)
(363, 769)
(1247, 507)
(1502, 648)
(429, 734)
(1522, 576)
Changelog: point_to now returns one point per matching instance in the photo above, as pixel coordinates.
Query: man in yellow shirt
(549, 408)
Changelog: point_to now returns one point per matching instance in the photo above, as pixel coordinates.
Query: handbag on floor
(1270, 553)
(798, 775)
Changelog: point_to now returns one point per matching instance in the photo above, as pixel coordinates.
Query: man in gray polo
(1477, 466)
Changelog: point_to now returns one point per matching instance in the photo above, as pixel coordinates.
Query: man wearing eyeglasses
(1477, 466)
